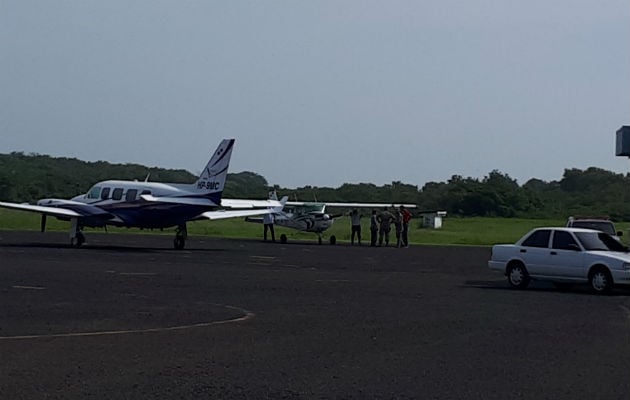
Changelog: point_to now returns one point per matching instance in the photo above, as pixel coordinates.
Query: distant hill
(29, 177)
(594, 191)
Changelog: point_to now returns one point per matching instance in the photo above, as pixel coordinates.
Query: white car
(564, 256)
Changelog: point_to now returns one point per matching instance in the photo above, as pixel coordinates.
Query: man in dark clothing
(373, 228)
(406, 217)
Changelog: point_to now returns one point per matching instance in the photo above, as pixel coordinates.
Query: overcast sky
(321, 92)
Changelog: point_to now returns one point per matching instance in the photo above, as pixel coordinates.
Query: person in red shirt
(406, 217)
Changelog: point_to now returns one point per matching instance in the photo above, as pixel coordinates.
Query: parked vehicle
(564, 256)
(599, 224)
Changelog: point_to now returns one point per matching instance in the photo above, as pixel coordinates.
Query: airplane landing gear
(181, 233)
(76, 236)
(333, 240)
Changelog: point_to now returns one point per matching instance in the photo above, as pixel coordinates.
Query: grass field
(455, 231)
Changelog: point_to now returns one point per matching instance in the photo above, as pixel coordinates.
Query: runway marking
(137, 273)
(248, 315)
(263, 257)
(29, 287)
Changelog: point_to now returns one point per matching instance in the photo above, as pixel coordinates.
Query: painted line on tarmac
(247, 316)
(137, 273)
(28, 287)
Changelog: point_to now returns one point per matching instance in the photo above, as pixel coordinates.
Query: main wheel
(179, 243)
(517, 275)
(600, 280)
(283, 238)
(80, 239)
(333, 240)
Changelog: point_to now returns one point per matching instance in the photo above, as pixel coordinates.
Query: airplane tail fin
(212, 179)
(283, 201)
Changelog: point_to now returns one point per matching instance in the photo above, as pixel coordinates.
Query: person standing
(355, 220)
(373, 228)
(406, 217)
(398, 227)
(385, 221)
(268, 223)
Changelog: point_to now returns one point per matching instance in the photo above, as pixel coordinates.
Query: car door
(534, 251)
(566, 257)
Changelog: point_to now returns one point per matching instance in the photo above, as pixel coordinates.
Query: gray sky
(321, 92)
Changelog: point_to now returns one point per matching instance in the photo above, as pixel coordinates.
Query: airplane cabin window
(105, 193)
(117, 194)
(131, 194)
(94, 193)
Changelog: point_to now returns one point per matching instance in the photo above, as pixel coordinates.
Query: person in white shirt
(268, 225)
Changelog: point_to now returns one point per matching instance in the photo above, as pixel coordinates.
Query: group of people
(381, 226)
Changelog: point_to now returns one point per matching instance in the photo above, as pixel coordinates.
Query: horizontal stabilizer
(223, 214)
(238, 203)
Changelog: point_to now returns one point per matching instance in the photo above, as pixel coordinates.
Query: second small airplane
(312, 216)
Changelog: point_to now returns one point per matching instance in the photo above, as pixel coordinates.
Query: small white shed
(432, 219)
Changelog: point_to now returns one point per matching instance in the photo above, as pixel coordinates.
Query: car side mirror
(574, 247)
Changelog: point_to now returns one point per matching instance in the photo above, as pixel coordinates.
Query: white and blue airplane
(151, 205)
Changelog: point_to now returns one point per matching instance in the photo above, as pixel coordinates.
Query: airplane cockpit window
(310, 208)
(145, 192)
(117, 194)
(94, 193)
(105, 194)
(131, 194)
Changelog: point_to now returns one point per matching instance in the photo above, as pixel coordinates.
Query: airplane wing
(354, 205)
(223, 214)
(54, 211)
(241, 203)
(369, 205)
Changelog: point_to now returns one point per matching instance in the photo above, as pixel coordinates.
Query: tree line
(594, 191)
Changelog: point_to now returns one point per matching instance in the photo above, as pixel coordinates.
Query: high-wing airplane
(151, 204)
(312, 216)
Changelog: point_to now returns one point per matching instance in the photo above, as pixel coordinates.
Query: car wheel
(600, 280)
(517, 275)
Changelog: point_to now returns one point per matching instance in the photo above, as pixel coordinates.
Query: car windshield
(603, 226)
(600, 241)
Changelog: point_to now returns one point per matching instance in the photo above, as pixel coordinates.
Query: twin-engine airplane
(151, 204)
(312, 216)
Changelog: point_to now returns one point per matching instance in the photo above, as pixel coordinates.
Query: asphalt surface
(126, 317)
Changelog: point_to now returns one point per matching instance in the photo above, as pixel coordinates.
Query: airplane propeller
(43, 223)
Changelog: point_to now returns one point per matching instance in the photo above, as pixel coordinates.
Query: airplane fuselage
(316, 223)
(121, 203)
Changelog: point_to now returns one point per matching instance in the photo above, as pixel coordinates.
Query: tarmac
(128, 317)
